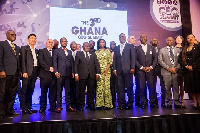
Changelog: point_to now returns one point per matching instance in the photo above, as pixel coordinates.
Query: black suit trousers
(90, 83)
(28, 85)
(45, 84)
(142, 78)
(125, 80)
(63, 81)
(8, 89)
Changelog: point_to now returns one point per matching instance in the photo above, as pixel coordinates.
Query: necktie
(13, 47)
(171, 53)
(87, 57)
(50, 52)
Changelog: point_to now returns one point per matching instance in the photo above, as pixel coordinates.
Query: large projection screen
(82, 25)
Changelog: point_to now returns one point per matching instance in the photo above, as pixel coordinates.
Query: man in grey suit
(9, 72)
(124, 68)
(168, 59)
(145, 63)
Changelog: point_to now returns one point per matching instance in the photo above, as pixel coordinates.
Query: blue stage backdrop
(155, 18)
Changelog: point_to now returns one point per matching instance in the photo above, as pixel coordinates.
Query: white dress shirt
(144, 47)
(34, 56)
(66, 53)
(122, 45)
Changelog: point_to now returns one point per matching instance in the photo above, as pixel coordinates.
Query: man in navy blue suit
(63, 68)
(124, 68)
(9, 72)
(145, 63)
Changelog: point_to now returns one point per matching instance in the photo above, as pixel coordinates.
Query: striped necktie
(13, 47)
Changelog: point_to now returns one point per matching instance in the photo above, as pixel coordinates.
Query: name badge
(150, 52)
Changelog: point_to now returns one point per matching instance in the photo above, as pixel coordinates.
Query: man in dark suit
(30, 71)
(145, 63)
(86, 69)
(63, 68)
(9, 72)
(47, 77)
(73, 83)
(157, 72)
(124, 68)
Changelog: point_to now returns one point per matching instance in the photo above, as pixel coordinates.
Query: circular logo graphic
(166, 13)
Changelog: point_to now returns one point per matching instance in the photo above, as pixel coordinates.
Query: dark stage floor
(95, 115)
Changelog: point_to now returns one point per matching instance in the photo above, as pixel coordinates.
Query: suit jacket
(150, 59)
(84, 68)
(164, 60)
(194, 61)
(46, 61)
(126, 61)
(63, 64)
(8, 61)
(27, 59)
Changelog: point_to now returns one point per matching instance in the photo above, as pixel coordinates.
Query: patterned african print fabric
(103, 93)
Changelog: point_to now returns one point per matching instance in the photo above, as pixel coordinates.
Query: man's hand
(174, 70)
(25, 75)
(76, 78)
(2, 74)
(115, 72)
(72, 75)
(148, 69)
(97, 77)
(57, 75)
(190, 68)
(144, 69)
(51, 69)
(132, 71)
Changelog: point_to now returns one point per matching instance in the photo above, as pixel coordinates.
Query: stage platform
(157, 120)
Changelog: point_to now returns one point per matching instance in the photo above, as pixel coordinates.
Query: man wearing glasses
(9, 72)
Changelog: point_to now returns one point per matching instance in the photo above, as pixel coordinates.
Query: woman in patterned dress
(103, 92)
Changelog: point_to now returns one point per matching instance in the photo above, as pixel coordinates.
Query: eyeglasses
(13, 34)
(64, 41)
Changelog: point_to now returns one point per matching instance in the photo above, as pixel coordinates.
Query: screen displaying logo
(83, 25)
(166, 13)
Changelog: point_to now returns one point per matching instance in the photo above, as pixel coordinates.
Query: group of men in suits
(61, 67)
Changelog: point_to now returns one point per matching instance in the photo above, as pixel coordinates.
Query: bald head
(143, 38)
(10, 35)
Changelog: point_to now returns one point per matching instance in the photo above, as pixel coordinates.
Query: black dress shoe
(80, 109)
(99, 108)
(143, 106)
(129, 107)
(137, 104)
(41, 110)
(152, 105)
(52, 110)
(92, 108)
(13, 113)
(195, 108)
(169, 106)
(33, 111)
(163, 105)
(121, 108)
(177, 106)
(106, 108)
